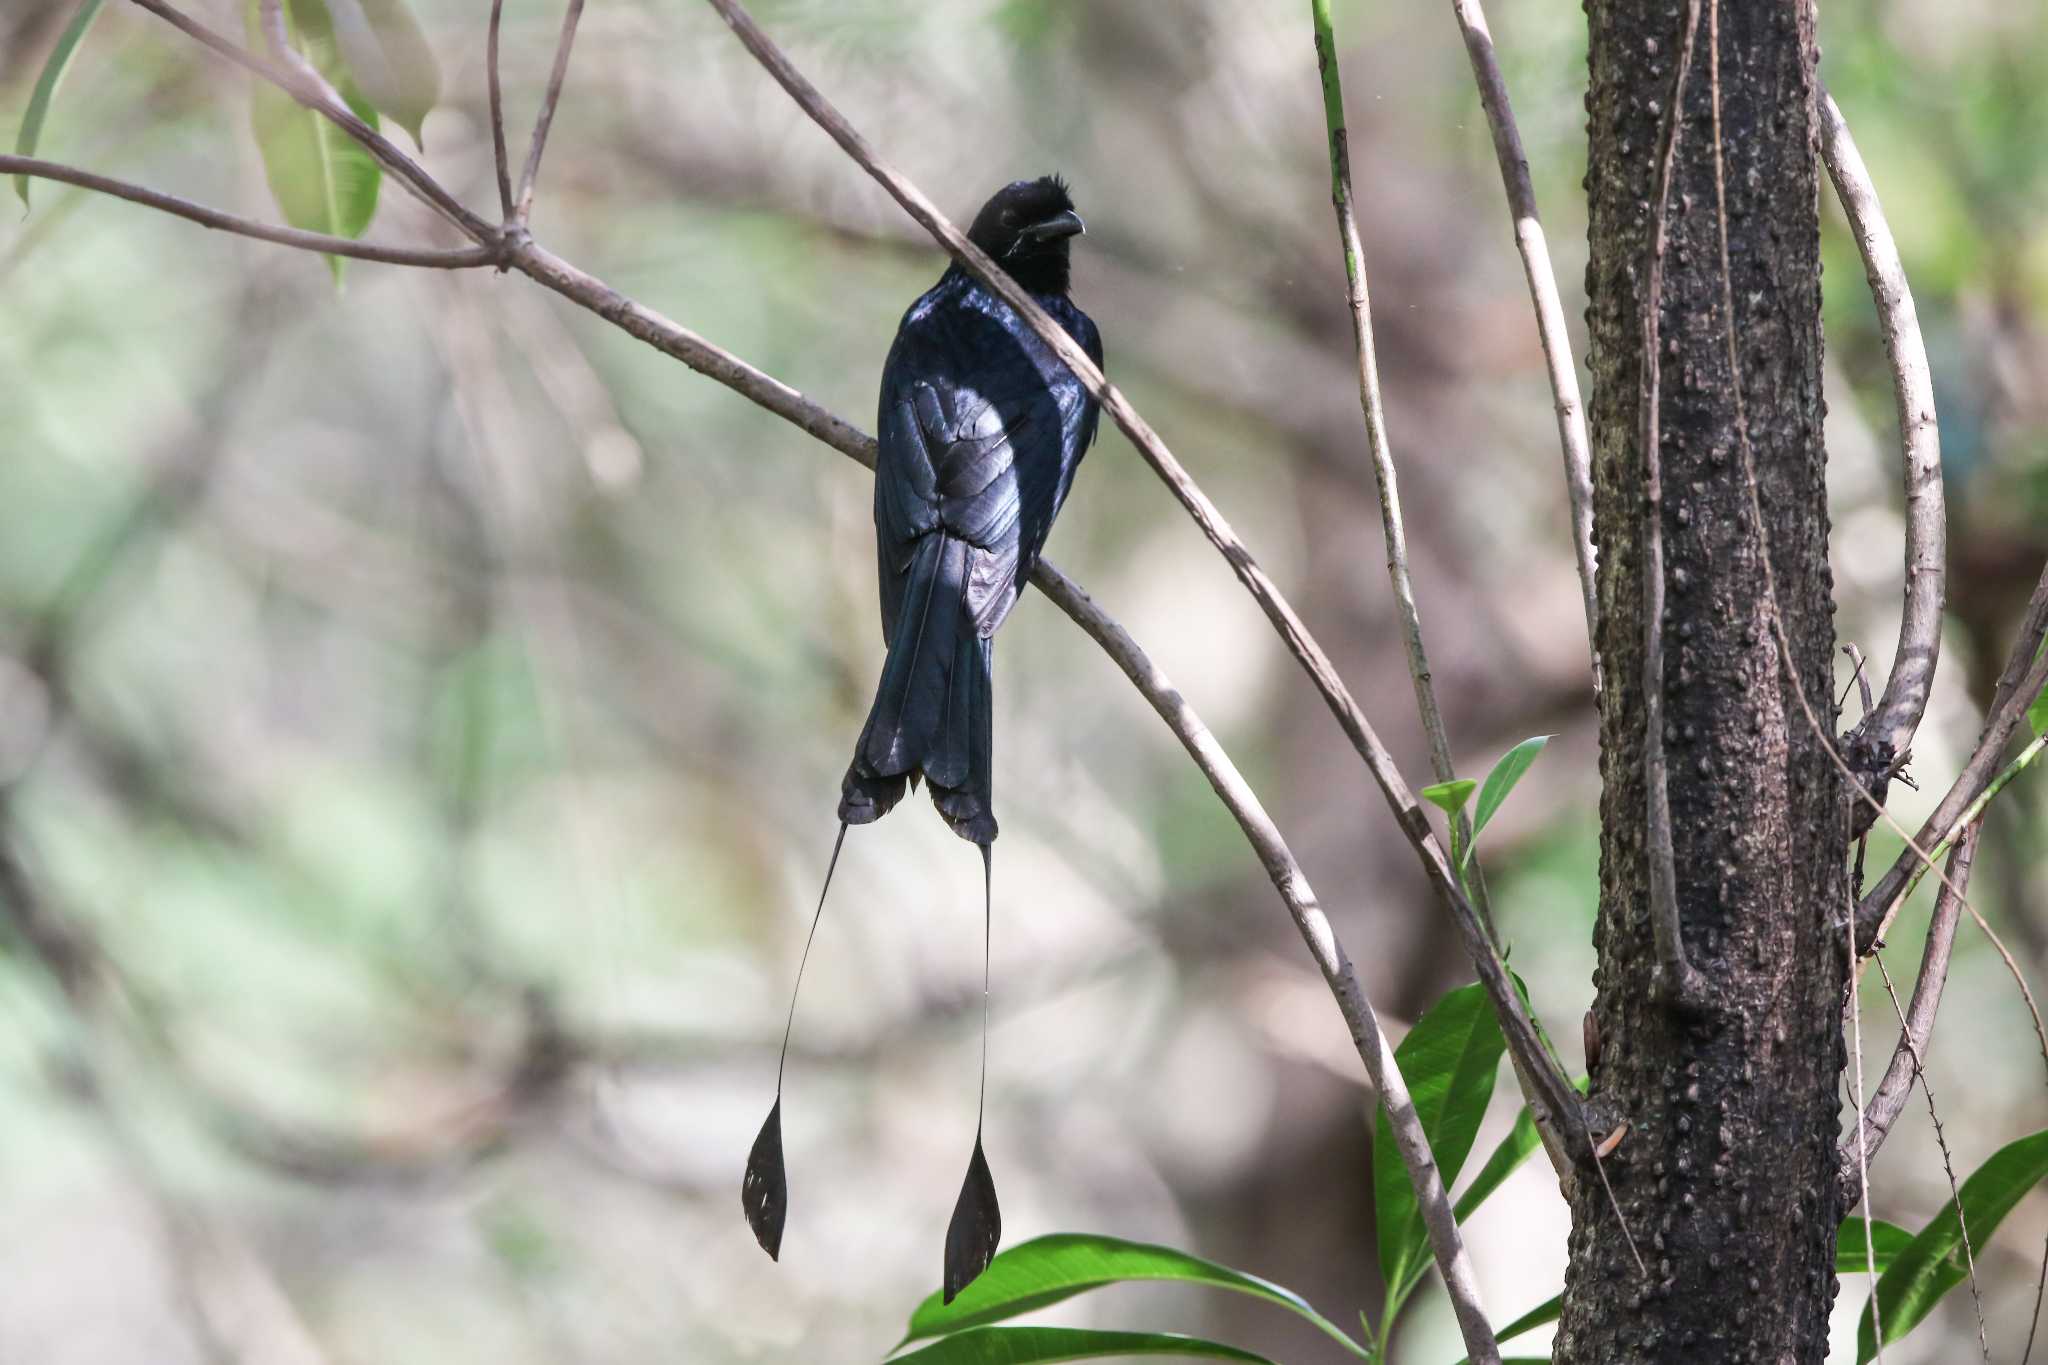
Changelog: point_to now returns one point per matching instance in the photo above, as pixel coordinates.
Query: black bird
(981, 429)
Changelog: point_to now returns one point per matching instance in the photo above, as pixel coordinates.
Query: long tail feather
(764, 1190)
(977, 1226)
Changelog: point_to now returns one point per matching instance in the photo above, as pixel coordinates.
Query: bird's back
(1003, 427)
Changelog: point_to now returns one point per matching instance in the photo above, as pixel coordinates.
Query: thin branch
(1862, 1189)
(433, 258)
(1948, 1164)
(2026, 668)
(1975, 810)
(1554, 1088)
(1550, 325)
(1259, 830)
(523, 209)
(1904, 701)
(1678, 982)
(312, 91)
(497, 95)
(1917, 1022)
(1358, 295)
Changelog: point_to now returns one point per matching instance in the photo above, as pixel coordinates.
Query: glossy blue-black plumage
(981, 429)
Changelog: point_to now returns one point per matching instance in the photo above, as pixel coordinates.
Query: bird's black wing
(982, 429)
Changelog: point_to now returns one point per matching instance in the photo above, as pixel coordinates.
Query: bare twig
(1859, 678)
(1948, 1164)
(1975, 810)
(1358, 294)
(1862, 1197)
(1912, 676)
(458, 258)
(1259, 830)
(1678, 981)
(2025, 671)
(1554, 1088)
(496, 87)
(1550, 326)
(1917, 1022)
(523, 207)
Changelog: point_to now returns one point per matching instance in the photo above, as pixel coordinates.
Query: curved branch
(1917, 1024)
(1904, 701)
(1550, 328)
(1295, 893)
(1555, 1089)
(2026, 669)
(435, 258)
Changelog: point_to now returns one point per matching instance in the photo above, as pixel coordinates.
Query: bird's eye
(1009, 218)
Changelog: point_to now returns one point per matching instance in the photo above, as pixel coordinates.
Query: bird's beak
(1066, 224)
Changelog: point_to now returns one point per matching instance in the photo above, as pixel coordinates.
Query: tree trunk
(1726, 1178)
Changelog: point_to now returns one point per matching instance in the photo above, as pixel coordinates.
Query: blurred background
(422, 708)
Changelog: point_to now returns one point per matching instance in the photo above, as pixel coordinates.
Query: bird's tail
(933, 711)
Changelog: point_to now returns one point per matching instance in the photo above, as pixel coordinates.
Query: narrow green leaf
(388, 56)
(46, 87)
(322, 180)
(1449, 1059)
(1450, 797)
(1513, 1150)
(1029, 1345)
(1046, 1270)
(1932, 1264)
(1506, 773)
(1889, 1239)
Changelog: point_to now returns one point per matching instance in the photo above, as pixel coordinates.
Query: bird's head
(1026, 226)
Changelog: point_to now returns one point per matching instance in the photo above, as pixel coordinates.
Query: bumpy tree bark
(1726, 1178)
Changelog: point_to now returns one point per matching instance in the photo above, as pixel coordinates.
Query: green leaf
(1027, 1345)
(46, 87)
(1514, 1149)
(1889, 1239)
(1450, 797)
(1046, 1270)
(1449, 1060)
(1506, 773)
(1932, 1264)
(388, 56)
(322, 179)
